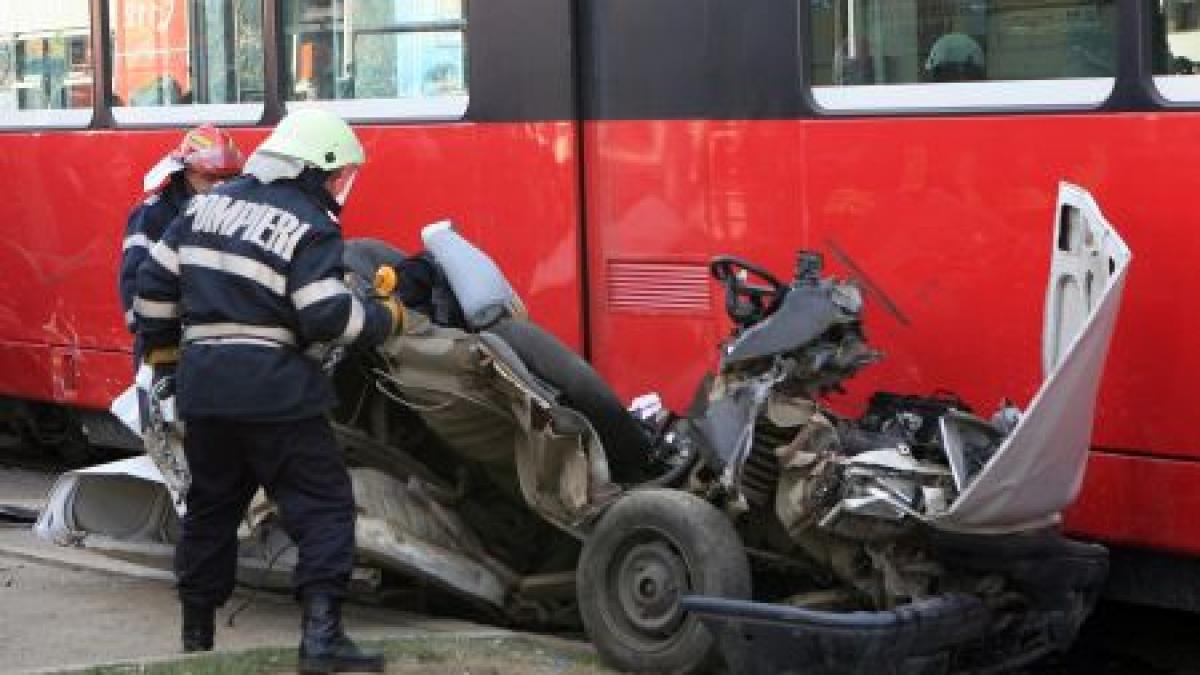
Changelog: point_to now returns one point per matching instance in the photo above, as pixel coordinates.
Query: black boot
(324, 648)
(197, 630)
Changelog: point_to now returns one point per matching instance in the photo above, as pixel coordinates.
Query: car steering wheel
(747, 303)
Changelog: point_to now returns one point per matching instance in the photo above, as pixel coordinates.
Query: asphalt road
(24, 486)
(1119, 639)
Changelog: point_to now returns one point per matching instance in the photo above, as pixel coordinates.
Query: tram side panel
(506, 172)
(945, 218)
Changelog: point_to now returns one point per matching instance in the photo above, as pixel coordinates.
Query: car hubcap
(650, 580)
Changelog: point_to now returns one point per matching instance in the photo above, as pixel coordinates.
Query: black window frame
(529, 77)
(463, 25)
(1133, 86)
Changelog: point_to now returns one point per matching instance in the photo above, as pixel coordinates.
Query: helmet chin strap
(346, 185)
(268, 167)
(198, 183)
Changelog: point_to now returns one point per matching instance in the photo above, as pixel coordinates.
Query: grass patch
(427, 655)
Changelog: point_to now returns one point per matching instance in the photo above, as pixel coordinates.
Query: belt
(235, 333)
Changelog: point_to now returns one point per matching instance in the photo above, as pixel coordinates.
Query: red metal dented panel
(26, 368)
(63, 223)
(955, 223)
(1139, 501)
(949, 221)
(684, 191)
(511, 187)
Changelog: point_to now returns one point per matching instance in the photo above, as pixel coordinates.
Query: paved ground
(62, 607)
(59, 614)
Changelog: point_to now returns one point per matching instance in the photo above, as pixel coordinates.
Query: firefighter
(254, 272)
(205, 157)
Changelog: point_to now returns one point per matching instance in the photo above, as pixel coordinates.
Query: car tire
(648, 550)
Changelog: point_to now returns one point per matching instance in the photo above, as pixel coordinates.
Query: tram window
(997, 52)
(1176, 40)
(45, 63)
(377, 58)
(186, 60)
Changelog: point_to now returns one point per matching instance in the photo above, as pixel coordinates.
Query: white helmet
(307, 137)
(318, 137)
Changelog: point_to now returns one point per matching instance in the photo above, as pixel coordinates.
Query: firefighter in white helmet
(250, 282)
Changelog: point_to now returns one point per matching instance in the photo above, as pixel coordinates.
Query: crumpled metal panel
(124, 501)
(807, 312)
(400, 527)
(1038, 470)
(123, 510)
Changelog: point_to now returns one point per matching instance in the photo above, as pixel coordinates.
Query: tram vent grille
(659, 287)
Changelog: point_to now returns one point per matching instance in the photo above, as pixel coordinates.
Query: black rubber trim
(1134, 89)
(1174, 455)
(549, 60)
(684, 59)
(521, 61)
(102, 66)
(951, 607)
(749, 60)
(581, 178)
(272, 58)
(767, 638)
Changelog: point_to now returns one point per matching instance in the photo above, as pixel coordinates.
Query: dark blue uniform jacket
(145, 227)
(250, 279)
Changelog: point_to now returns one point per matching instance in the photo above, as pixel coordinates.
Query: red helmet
(210, 151)
(204, 149)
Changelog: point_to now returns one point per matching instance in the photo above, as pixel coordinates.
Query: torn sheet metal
(123, 510)
(401, 528)
(125, 500)
(1038, 470)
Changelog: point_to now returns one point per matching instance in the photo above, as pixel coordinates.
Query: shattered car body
(971, 572)
(494, 463)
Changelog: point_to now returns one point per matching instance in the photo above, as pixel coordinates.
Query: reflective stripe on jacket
(145, 227)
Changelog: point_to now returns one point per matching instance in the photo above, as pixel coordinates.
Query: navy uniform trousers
(302, 469)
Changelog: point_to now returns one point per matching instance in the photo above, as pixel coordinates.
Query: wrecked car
(760, 526)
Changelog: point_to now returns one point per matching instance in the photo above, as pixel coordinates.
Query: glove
(163, 356)
(385, 283)
(386, 280)
(396, 311)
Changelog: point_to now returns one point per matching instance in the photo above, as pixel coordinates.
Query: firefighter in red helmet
(204, 157)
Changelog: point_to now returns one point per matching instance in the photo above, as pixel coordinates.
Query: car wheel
(649, 550)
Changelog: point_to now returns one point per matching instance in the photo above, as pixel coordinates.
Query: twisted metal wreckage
(494, 464)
